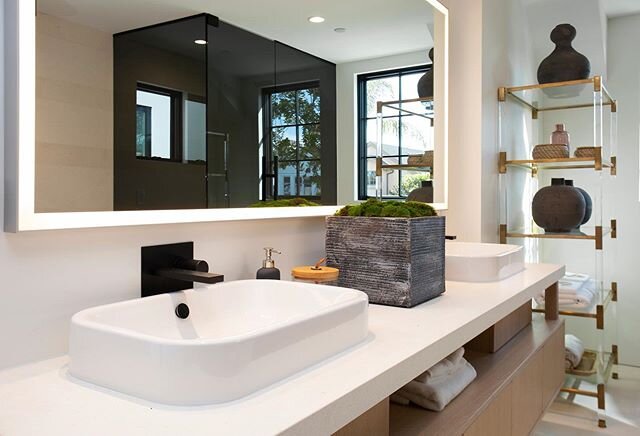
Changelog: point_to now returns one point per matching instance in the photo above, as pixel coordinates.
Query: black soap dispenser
(269, 270)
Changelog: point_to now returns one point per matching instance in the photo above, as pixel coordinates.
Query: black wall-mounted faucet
(171, 268)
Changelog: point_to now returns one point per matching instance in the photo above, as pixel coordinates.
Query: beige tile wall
(74, 117)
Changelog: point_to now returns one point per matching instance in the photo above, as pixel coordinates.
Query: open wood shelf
(495, 372)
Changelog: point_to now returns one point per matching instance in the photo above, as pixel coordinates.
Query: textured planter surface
(396, 261)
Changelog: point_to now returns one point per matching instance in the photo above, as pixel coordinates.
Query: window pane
(159, 134)
(283, 108)
(310, 144)
(287, 179)
(309, 182)
(409, 84)
(283, 140)
(143, 130)
(195, 131)
(386, 89)
(417, 135)
(309, 106)
(389, 137)
(390, 183)
(411, 180)
(370, 178)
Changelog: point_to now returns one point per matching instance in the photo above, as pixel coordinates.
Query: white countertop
(41, 399)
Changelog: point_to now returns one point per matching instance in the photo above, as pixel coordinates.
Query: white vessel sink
(476, 262)
(239, 337)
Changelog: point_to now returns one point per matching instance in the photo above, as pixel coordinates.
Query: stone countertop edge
(41, 398)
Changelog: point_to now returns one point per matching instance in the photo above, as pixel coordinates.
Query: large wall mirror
(139, 112)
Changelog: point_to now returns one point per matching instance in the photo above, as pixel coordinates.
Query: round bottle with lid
(317, 274)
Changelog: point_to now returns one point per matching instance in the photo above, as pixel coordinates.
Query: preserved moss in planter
(393, 251)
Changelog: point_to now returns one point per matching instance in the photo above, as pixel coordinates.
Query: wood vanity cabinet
(514, 387)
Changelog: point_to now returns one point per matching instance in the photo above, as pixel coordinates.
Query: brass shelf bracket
(614, 229)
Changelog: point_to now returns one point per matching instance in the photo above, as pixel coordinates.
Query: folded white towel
(582, 297)
(571, 282)
(444, 368)
(436, 395)
(399, 399)
(573, 351)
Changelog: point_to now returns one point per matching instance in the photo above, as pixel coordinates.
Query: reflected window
(293, 129)
(403, 134)
(158, 123)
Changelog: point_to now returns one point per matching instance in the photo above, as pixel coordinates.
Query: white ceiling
(375, 28)
(617, 8)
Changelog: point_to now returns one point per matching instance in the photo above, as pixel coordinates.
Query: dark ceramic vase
(425, 84)
(558, 208)
(587, 199)
(564, 63)
(423, 194)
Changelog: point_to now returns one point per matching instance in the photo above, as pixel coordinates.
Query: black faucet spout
(190, 276)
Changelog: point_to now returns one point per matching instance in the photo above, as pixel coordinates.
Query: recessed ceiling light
(340, 30)
(200, 42)
(316, 19)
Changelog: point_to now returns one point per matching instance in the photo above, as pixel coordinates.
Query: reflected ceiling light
(200, 42)
(316, 20)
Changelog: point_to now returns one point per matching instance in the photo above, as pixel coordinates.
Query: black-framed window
(403, 134)
(159, 123)
(292, 129)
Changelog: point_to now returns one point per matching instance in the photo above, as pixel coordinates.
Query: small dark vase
(558, 208)
(564, 63)
(587, 199)
(423, 194)
(425, 84)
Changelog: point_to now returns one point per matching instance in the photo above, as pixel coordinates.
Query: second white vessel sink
(477, 262)
(238, 338)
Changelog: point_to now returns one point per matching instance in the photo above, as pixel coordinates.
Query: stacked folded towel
(575, 290)
(439, 385)
(573, 351)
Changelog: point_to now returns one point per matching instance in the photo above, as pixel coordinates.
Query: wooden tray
(587, 366)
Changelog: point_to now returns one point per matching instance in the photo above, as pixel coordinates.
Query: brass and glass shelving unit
(421, 107)
(592, 113)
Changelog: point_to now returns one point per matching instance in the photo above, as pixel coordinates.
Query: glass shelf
(534, 165)
(573, 94)
(596, 311)
(603, 368)
(586, 232)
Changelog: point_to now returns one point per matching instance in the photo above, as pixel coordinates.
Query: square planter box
(396, 261)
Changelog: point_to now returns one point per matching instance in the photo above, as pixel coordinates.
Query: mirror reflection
(149, 106)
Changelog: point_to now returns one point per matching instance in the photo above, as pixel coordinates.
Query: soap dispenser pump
(269, 270)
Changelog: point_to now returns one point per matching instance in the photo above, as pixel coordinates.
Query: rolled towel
(436, 395)
(573, 351)
(444, 368)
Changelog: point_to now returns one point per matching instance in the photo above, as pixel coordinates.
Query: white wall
(347, 113)
(624, 83)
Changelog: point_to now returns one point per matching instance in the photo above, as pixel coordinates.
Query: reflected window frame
(362, 118)
(176, 122)
(268, 127)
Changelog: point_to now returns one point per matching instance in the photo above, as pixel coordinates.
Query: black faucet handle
(192, 264)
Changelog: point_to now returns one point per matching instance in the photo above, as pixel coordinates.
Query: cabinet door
(553, 356)
(527, 397)
(496, 419)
